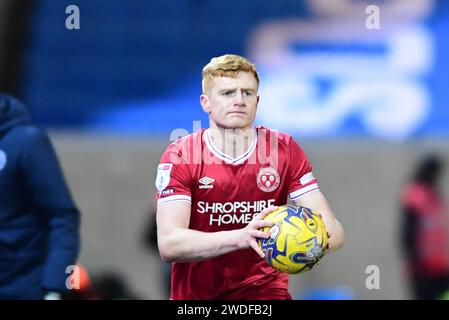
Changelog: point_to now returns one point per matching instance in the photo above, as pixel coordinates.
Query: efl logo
(163, 175)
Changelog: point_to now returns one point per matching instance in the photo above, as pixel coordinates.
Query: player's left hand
(251, 232)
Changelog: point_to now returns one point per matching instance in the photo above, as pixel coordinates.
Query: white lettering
(373, 280)
(72, 281)
(252, 207)
(232, 212)
(211, 207)
(212, 220)
(237, 205)
(240, 219)
(372, 22)
(200, 207)
(73, 20)
(227, 218)
(234, 207)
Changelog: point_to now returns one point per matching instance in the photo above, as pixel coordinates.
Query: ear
(257, 103)
(204, 100)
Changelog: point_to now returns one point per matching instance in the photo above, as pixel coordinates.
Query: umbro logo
(206, 183)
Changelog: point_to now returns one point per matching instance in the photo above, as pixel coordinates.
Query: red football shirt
(432, 241)
(225, 193)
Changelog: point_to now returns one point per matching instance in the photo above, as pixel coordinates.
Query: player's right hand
(249, 234)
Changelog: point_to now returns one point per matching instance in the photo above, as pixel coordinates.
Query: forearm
(183, 245)
(317, 202)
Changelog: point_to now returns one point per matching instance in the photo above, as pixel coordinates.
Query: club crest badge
(268, 179)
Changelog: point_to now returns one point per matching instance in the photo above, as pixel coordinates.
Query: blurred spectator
(39, 223)
(425, 231)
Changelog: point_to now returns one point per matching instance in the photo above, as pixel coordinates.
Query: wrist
(234, 239)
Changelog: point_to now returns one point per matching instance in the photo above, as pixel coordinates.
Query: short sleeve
(173, 179)
(302, 180)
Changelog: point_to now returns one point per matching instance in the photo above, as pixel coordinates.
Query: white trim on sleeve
(172, 199)
(300, 192)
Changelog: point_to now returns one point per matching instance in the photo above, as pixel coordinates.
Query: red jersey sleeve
(302, 180)
(173, 178)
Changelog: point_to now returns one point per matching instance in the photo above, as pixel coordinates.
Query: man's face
(232, 102)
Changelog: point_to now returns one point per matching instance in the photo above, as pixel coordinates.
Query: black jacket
(39, 223)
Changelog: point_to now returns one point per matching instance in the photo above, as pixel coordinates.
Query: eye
(228, 93)
(248, 93)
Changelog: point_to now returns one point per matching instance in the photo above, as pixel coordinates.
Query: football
(298, 239)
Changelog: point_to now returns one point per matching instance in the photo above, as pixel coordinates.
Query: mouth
(237, 113)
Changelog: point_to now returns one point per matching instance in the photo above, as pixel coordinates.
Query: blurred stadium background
(365, 105)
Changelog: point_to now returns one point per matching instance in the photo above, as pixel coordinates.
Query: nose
(239, 100)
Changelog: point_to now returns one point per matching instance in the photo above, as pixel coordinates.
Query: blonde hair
(227, 65)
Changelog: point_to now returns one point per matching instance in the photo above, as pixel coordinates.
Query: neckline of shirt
(216, 151)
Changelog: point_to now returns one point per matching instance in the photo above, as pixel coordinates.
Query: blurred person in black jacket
(425, 240)
(39, 222)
